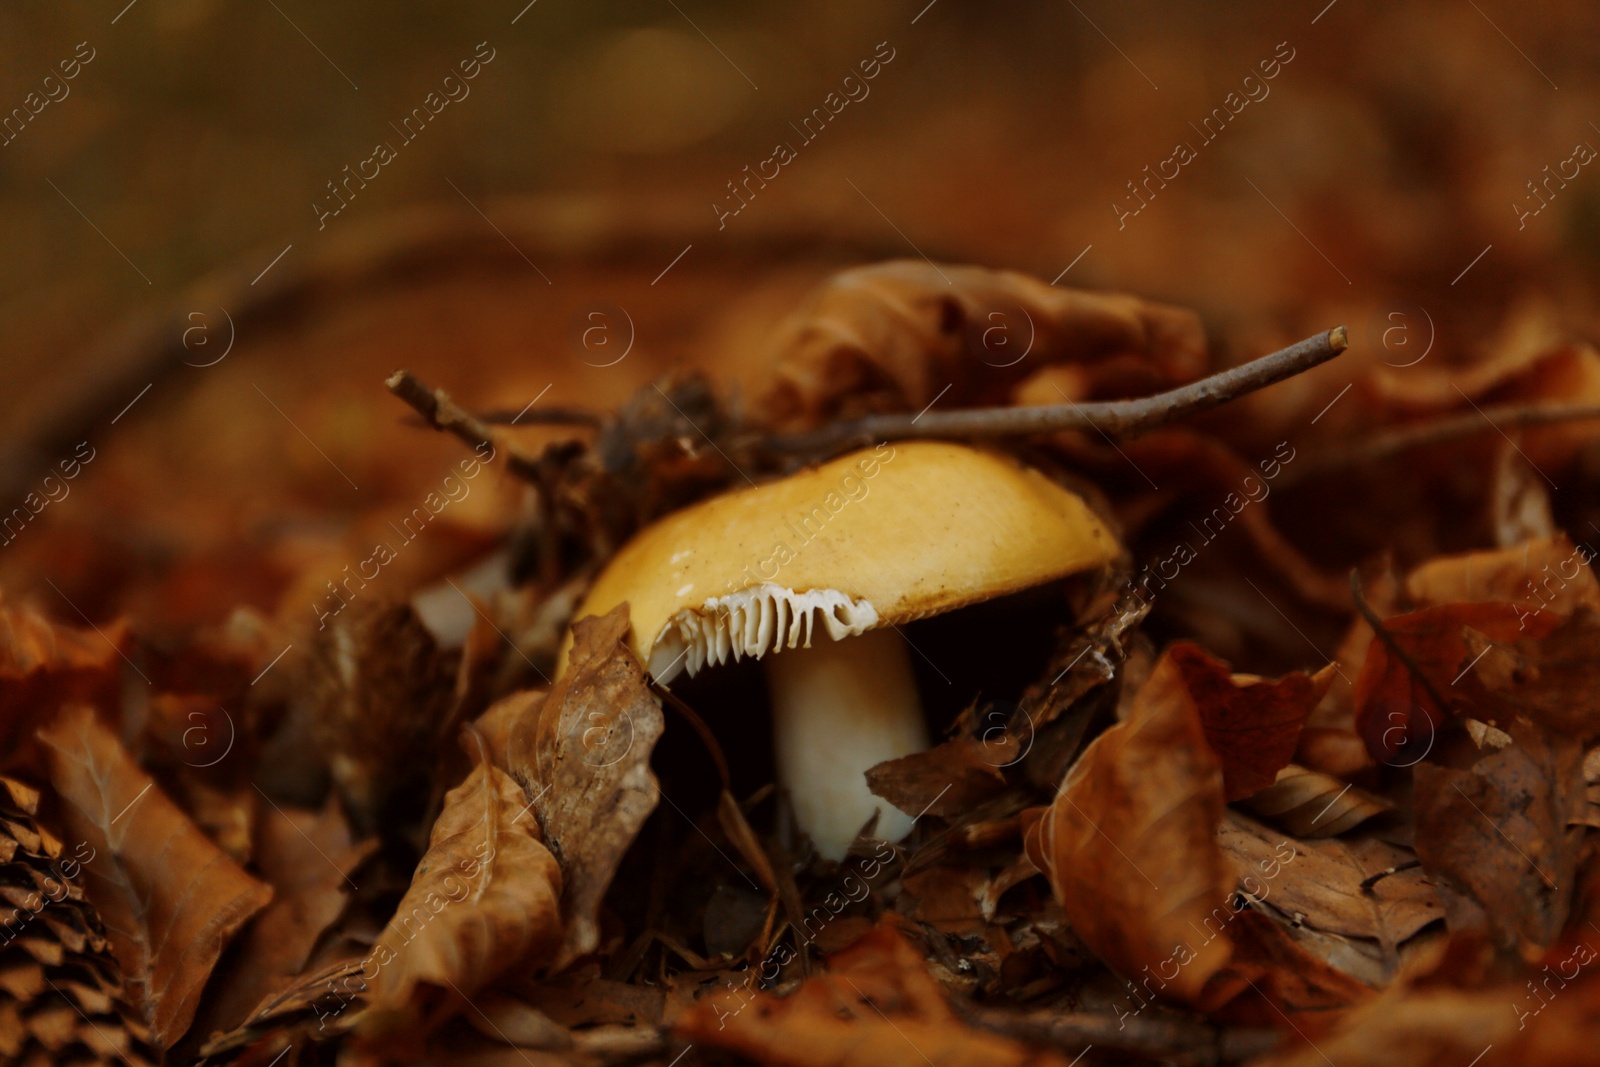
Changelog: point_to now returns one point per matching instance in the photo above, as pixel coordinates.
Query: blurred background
(212, 267)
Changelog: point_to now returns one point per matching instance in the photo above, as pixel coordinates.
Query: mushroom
(813, 574)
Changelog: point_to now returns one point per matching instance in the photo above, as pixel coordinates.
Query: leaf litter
(1159, 824)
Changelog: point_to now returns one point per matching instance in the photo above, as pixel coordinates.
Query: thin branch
(1438, 431)
(1123, 418)
(442, 413)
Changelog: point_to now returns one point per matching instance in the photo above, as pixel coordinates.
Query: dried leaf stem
(1122, 418)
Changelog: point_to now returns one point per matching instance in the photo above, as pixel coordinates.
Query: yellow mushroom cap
(877, 537)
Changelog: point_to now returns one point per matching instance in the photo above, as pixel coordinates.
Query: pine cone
(60, 987)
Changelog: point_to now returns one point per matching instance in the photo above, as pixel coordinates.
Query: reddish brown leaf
(1395, 707)
(1251, 724)
(1129, 844)
(171, 900)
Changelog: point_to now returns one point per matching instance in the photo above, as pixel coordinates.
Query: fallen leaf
(380, 695)
(585, 761)
(1397, 703)
(44, 666)
(1268, 963)
(945, 780)
(1139, 812)
(485, 899)
(1499, 841)
(1251, 724)
(170, 899)
(1308, 803)
(887, 337)
(876, 1006)
(307, 858)
(1551, 574)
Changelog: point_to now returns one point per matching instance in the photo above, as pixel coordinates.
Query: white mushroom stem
(838, 708)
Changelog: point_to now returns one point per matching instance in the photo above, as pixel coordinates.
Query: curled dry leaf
(1251, 724)
(585, 761)
(1129, 843)
(1308, 803)
(1549, 573)
(1499, 838)
(44, 666)
(171, 900)
(887, 337)
(485, 899)
(308, 859)
(876, 1006)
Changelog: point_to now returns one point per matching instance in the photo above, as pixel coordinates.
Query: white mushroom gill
(752, 622)
(843, 697)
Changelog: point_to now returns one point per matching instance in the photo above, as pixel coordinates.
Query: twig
(1391, 442)
(442, 413)
(1123, 418)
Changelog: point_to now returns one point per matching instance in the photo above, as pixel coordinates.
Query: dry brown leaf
(887, 337)
(1499, 838)
(585, 761)
(1270, 966)
(1319, 883)
(1129, 844)
(485, 899)
(876, 1006)
(307, 858)
(1251, 724)
(171, 900)
(1550, 574)
(44, 666)
(1308, 803)
(944, 780)
(380, 696)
